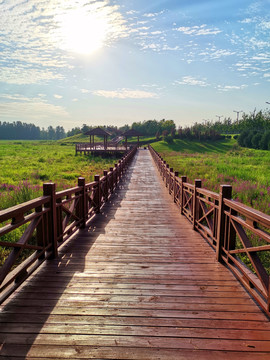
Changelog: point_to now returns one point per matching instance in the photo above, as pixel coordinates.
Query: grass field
(223, 162)
(26, 165)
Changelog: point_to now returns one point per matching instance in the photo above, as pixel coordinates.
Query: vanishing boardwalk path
(138, 284)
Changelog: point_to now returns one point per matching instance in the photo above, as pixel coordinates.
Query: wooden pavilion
(98, 132)
(132, 133)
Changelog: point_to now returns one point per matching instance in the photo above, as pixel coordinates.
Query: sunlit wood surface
(138, 284)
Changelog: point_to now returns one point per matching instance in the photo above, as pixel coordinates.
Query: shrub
(255, 140)
(265, 141)
(168, 139)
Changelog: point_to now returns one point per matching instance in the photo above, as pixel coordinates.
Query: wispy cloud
(231, 87)
(19, 106)
(198, 30)
(192, 81)
(152, 15)
(58, 96)
(126, 94)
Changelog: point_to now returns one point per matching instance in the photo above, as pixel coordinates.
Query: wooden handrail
(232, 229)
(49, 221)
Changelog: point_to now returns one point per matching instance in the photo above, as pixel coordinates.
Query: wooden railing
(111, 146)
(239, 234)
(48, 221)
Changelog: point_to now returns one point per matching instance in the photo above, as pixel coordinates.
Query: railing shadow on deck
(53, 224)
(239, 235)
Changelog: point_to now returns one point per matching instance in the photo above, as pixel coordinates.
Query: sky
(107, 62)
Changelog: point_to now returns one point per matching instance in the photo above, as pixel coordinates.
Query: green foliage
(168, 139)
(153, 127)
(255, 139)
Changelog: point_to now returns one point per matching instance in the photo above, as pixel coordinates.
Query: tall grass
(26, 165)
(223, 162)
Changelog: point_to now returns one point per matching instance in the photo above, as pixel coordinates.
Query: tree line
(146, 127)
(23, 131)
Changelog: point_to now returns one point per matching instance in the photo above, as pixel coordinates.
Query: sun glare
(83, 32)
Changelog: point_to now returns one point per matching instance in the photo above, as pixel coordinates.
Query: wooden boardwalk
(138, 284)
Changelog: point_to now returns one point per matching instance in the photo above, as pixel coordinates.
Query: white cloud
(192, 81)
(151, 15)
(231, 87)
(58, 96)
(30, 109)
(85, 91)
(22, 75)
(198, 30)
(125, 94)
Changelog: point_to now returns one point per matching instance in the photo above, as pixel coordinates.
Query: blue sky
(108, 62)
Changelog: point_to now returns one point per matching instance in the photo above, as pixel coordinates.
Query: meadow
(26, 165)
(223, 162)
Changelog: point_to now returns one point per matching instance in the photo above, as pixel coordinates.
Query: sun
(83, 32)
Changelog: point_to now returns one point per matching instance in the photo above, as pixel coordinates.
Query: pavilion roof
(132, 132)
(97, 131)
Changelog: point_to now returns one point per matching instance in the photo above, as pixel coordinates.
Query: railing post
(116, 173)
(183, 180)
(82, 212)
(225, 192)
(268, 298)
(49, 190)
(111, 180)
(171, 179)
(97, 194)
(106, 185)
(197, 184)
(41, 240)
(176, 174)
(167, 175)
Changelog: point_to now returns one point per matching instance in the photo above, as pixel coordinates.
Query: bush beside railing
(239, 234)
(49, 221)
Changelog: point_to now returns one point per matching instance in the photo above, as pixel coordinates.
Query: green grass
(79, 138)
(26, 165)
(223, 162)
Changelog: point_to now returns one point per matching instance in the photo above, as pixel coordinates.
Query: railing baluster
(183, 181)
(224, 193)
(197, 184)
(176, 174)
(49, 190)
(82, 202)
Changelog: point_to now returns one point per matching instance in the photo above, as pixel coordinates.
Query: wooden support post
(183, 181)
(82, 202)
(120, 167)
(41, 241)
(225, 192)
(197, 184)
(176, 174)
(268, 298)
(49, 190)
(106, 185)
(97, 194)
(116, 173)
(171, 181)
(111, 180)
(167, 175)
